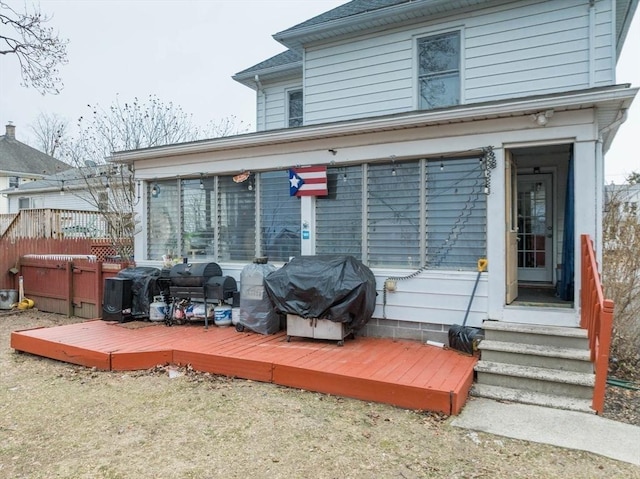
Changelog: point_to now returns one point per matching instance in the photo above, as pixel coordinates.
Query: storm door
(511, 228)
(535, 228)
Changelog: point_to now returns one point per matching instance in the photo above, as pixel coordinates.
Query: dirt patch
(65, 421)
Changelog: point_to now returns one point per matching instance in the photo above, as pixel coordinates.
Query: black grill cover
(193, 274)
(338, 288)
(221, 287)
(144, 287)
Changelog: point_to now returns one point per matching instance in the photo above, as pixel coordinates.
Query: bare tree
(110, 188)
(634, 178)
(38, 48)
(621, 275)
(50, 131)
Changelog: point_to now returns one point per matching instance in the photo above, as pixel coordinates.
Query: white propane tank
(157, 309)
(222, 315)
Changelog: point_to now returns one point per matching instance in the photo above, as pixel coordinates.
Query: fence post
(602, 361)
(69, 288)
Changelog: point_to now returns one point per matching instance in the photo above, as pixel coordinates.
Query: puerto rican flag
(308, 181)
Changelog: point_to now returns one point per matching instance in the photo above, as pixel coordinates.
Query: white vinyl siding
(275, 98)
(512, 50)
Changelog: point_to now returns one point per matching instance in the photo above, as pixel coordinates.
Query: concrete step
(541, 356)
(529, 397)
(541, 380)
(557, 336)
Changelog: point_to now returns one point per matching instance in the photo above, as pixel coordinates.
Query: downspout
(261, 89)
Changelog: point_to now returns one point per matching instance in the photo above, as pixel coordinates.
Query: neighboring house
(72, 192)
(20, 164)
(622, 205)
(451, 131)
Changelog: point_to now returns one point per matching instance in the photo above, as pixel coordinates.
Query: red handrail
(596, 318)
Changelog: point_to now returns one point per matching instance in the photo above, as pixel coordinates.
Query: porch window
(236, 219)
(393, 214)
(438, 71)
(456, 213)
(416, 213)
(163, 223)
(279, 217)
(339, 215)
(198, 217)
(295, 108)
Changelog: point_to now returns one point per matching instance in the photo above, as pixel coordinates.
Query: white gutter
(247, 79)
(369, 125)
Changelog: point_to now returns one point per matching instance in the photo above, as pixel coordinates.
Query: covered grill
(314, 291)
(193, 274)
(200, 281)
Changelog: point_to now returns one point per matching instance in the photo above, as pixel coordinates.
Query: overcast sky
(185, 52)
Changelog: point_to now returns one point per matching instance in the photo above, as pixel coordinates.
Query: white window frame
(288, 94)
(416, 63)
(21, 200)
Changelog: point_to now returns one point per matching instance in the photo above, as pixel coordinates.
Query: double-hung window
(439, 71)
(295, 108)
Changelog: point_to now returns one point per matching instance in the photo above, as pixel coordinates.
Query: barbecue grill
(201, 281)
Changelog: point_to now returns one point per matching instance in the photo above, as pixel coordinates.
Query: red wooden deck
(403, 373)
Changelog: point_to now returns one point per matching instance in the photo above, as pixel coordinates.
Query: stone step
(541, 380)
(529, 397)
(557, 336)
(542, 356)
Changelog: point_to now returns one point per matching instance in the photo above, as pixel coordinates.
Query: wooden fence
(66, 285)
(72, 283)
(54, 223)
(597, 319)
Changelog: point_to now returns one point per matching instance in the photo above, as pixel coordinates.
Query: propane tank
(157, 309)
(222, 315)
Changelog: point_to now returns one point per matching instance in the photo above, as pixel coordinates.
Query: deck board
(399, 372)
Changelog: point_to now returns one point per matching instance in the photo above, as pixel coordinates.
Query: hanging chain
(487, 163)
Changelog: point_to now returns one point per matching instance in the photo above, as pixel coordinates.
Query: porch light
(201, 182)
(155, 190)
(62, 188)
(542, 118)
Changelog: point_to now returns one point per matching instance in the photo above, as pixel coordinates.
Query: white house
(21, 164)
(80, 196)
(451, 131)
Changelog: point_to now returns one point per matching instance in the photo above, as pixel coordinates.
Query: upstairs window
(439, 71)
(14, 181)
(295, 108)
